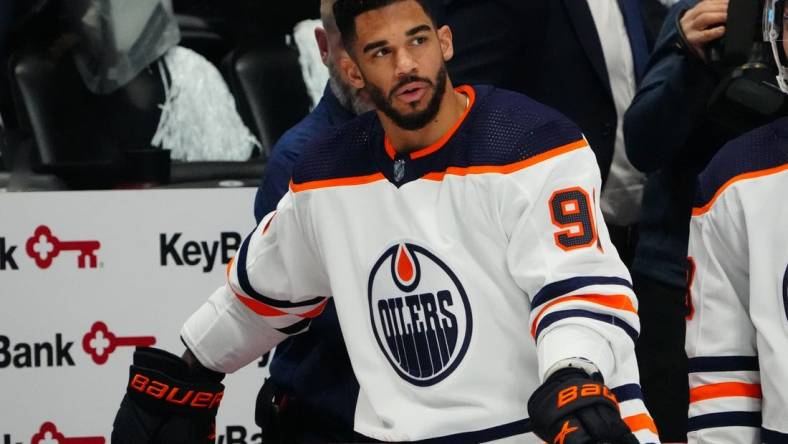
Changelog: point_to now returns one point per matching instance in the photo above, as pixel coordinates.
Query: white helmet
(773, 17)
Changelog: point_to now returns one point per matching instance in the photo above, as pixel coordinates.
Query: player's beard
(415, 120)
(347, 96)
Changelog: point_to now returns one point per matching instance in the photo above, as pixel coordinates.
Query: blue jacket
(669, 136)
(327, 115)
(314, 366)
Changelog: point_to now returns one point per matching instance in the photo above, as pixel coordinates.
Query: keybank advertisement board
(85, 277)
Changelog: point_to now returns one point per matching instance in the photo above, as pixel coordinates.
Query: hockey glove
(573, 408)
(168, 402)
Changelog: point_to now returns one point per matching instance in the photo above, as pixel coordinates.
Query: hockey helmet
(774, 21)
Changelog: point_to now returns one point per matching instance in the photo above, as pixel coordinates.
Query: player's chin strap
(579, 363)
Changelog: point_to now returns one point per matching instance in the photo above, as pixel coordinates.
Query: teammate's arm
(724, 382)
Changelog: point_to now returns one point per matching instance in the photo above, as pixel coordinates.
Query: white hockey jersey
(737, 330)
(461, 273)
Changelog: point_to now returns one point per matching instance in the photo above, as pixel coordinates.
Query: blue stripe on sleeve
(560, 288)
(556, 316)
(627, 392)
(703, 364)
(295, 328)
(772, 437)
(724, 419)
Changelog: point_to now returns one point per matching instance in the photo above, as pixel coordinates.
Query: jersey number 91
(571, 211)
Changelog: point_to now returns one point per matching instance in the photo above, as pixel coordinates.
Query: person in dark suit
(559, 52)
(549, 50)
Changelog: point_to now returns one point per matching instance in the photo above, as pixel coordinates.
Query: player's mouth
(412, 91)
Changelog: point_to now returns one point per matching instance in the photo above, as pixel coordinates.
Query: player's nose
(405, 63)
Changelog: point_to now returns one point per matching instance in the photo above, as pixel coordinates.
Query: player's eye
(419, 40)
(381, 52)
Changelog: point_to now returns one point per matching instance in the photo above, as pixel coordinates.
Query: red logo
(43, 247)
(99, 342)
(48, 434)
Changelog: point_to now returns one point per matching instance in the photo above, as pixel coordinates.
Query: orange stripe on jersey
(725, 390)
(230, 267)
(510, 168)
(268, 224)
(266, 310)
(341, 182)
(640, 422)
(617, 301)
(455, 171)
(426, 151)
(751, 175)
(315, 312)
(260, 308)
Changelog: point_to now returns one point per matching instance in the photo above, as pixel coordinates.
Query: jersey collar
(426, 151)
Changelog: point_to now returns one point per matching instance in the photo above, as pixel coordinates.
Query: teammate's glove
(573, 408)
(168, 402)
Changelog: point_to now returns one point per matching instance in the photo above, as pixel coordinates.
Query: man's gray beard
(347, 96)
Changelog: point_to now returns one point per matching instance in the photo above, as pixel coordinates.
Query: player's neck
(451, 109)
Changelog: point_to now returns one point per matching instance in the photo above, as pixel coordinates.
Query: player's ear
(445, 40)
(352, 72)
(322, 43)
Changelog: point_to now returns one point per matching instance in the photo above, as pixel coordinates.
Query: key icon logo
(99, 342)
(48, 434)
(43, 247)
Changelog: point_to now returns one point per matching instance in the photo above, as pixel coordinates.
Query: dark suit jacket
(546, 49)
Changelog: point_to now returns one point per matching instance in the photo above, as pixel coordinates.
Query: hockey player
(459, 230)
(737, 330)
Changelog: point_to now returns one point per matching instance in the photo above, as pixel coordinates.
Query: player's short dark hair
(346, 11)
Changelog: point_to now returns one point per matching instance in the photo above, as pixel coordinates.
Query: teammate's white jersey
(461, 273)
(737, 330)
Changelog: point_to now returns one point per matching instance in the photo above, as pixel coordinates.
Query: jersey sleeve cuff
(224, 335)
(572, 342)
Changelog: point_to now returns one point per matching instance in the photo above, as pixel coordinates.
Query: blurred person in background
(736, 338)
(112, 43)
(117, 39)
(671, 135)
(312, 391)
(581, 57)
(340, 103)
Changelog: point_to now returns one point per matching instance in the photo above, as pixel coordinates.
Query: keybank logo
(55, 353)
(43, 247)
(98, 343)
(174, 250)
(7, 260)
(49, 434)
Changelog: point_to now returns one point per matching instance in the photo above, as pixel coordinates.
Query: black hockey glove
(573, 408)
(168, 402)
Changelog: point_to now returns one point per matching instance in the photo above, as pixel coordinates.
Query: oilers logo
(420, 314)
